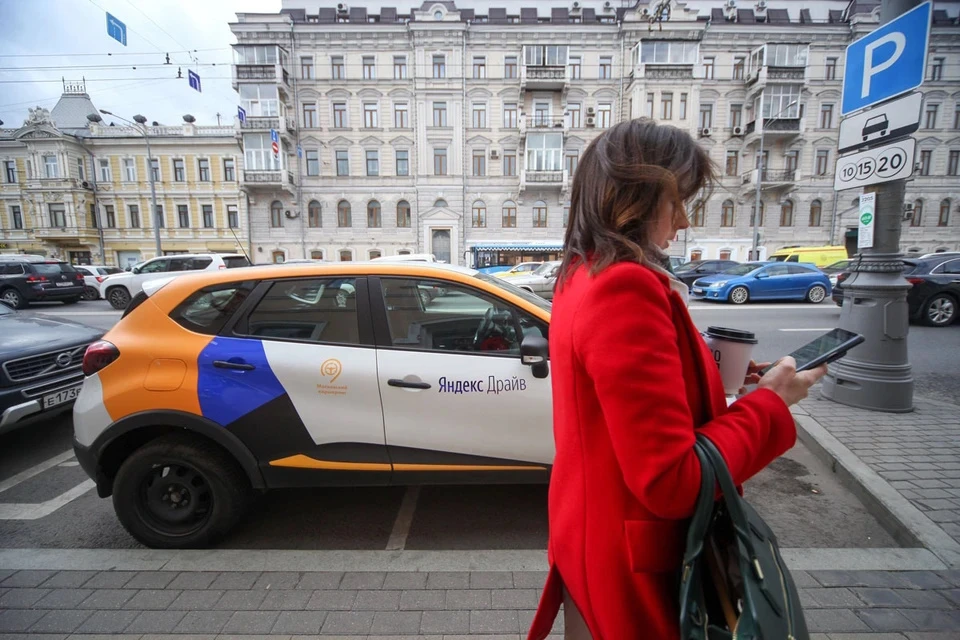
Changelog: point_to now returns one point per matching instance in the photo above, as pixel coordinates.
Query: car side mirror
(135, 270)
(534, 352)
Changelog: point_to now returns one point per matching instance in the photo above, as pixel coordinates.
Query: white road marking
(13, 481)
(35, 511)
(70, 463)
(70, 314)
(401, 526)
(818, 329)
(763, 307)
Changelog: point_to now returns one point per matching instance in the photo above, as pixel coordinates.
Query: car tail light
(99, 278)
(98, 356)
(79, 276)
(842, 277)
(223, 266)
(35, 278)
(916, 281)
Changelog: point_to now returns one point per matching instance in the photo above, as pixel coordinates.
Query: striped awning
(518, 246)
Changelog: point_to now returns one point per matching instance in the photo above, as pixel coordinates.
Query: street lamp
(142, 129)
(755, 251)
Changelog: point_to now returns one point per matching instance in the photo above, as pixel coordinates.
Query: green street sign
(866, 218)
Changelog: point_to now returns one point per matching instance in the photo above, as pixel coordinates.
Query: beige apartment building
(79, 190)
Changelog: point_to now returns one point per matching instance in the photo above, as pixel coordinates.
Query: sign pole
(877, 375)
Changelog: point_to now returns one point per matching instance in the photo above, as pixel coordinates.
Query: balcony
(757, 79)
(64, 233)
(260, 73)
(286, 125)
(268, 180)
(773, 128)
(542, 123)
(772, 178)
(544, 78)
(664, 72)
(543, 179)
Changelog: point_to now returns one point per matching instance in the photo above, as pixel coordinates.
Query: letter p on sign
(898, 40)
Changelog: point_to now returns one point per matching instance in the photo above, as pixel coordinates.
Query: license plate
(64, 284)
(698, 291)
(64, 395)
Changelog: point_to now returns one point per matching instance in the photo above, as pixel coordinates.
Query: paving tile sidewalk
(873, 605)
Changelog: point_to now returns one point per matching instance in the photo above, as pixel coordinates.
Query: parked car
(93, 276)
(234, 381)
(120, 288)
(676, 261)
(521, 269)
(835, 269)
(541, 281)
(696, 269)
(764, 281)
(37, 279)
(819, 256)
(39, 365)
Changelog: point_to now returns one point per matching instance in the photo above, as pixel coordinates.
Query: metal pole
(153, 192)
(835, 219)
(877, 374)
(755, 252)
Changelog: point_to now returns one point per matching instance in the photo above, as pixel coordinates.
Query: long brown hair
(622, 177)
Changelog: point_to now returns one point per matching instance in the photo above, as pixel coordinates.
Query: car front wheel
(816, 294)
(940, 311)
(179, 492)
(739, 295)
(118, 297)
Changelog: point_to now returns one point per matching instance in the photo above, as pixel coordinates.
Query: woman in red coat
(632, 382)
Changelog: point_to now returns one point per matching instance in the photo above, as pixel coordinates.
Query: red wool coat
(632, 381)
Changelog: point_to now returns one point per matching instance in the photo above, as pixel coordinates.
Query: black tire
(89, 293)
(939, 311)
(210, 498)
(816, 294)
(739, 295)
(118, 297)
(12, 297)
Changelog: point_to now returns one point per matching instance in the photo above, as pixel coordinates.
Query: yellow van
(820, 256)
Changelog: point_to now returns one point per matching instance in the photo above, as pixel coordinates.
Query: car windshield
(783, 257)
(53, 268)
(517, 291)
(742, 269)
(544, 269)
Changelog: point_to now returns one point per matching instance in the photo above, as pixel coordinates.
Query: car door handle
(237, 366)
(403, 384)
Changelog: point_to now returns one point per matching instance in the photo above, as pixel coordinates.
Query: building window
(155, 169)
(753, 213)
(276, 214)
(953, 163)
(313, 162)
(229, 170)
(509, 215)
(736, 115)
(782, 101)
(346, 255)
(732, 166)
(439, 162)
(111, 215)
(306, 67)
(316, 255)
(540, 214)
(344, 218)
(369, 68)
(823, 162)
(371, 115)
(94, 218)
(826, 116)
(792, 160)
(129, 170)
(343, 162)
(401, 115)
(439, 66)
(80, 170)
(509, 115)
(403, 162)
(917, 218)
(260, 99)
(340, 120)
(439, 114)
(574, 114)
(604, 115)
(10, 171)
(399, 67)
(666, 106)
(133, 216)
(179, 171)
(106, 175)
(930, 116)
(479, 67)
(510, 67)
(509, 163)
(233, 216)
(925, 157)
(58, 215)
(373, 163)
(706, 116)
(313, 214)
(373, 214)
(17, 216)
(709, 65)
(936, 69)
(651, 98)
(403, 214)
(479, 215)
(207, 212)
(726, 214)
(544, 152)
(786, 214)
(739, 62)
(606, 67)
(183, 216)
(575, 63)
(831, 69)
(278, 257)
(570, 161)
(309, 115)
(337, 70)
(51, 168)
(160, 220)
(956, 117)
(944, 218)
(479, 162)
(203, 170)
(699, 214)
(816, 213)
(479, 115)
(683, 106)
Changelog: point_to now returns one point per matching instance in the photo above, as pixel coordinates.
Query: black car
(26, 280)
(689, 272)
(934, 298)
(40, 361)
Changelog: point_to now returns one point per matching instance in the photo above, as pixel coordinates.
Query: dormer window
(438, 15)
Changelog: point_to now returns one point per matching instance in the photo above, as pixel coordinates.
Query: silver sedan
(541, 281)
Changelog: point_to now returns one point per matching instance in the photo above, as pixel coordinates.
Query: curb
(906, 523)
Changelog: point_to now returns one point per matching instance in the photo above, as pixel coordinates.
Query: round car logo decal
(331, 368)
(64, 359)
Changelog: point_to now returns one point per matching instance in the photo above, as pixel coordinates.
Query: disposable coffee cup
(731, 350)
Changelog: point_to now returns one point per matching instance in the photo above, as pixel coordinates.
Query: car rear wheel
(940, 311)
(179, 492)
(118, 297)
(13, 298)
(816, 294)
(739, 295)
(89, 293)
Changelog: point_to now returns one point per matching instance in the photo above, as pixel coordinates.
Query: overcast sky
(44, 40)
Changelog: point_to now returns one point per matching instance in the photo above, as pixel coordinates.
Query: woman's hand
(753, 374)
(791, 386)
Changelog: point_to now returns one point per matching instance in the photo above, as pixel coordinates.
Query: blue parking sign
(888, 61)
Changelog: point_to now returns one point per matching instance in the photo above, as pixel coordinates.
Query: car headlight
(717, 285)
(833, 281)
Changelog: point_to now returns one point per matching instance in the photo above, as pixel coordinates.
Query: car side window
(794, 258)
(209, 309)
(199, 264)
(777, 270)
(795, 269)
(952, 267)
(13, 270)
(423, 315)
(319, 310)
(155, 266)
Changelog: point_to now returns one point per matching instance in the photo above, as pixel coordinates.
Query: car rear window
(236, 261)
(53, 268)
(105, 271)
(209, 309)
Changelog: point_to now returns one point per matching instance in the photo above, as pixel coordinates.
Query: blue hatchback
(764, 281)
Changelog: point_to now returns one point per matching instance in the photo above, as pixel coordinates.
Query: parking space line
(817, 329)
(401, 526)
(35, 511)
(13, 481)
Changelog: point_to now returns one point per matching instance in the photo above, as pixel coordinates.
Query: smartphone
(831, 346)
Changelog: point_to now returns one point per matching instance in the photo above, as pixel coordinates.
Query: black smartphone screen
(827, 348)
